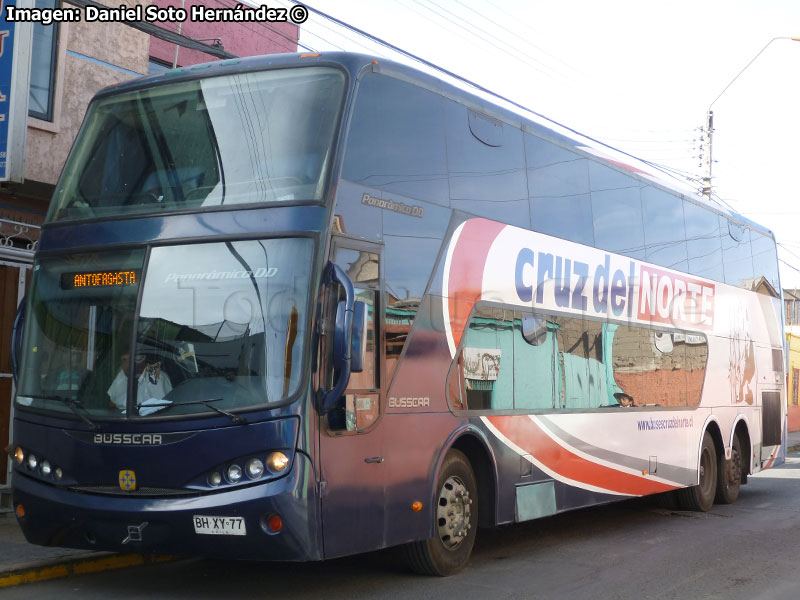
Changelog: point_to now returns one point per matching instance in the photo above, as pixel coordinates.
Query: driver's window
(358, 409)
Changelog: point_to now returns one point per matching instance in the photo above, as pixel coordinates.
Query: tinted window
(486, 361)
(703, 243)
(486, 165)
(558, 189)
(736, 254)
(664, 232)
(242, 138)
(618, 221)
(396, 140)
(534, 362)
(765, 261)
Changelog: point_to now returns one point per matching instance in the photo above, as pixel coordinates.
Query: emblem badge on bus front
(127, 481)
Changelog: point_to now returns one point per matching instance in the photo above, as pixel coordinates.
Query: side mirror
(16, 338)
(358, 345)
(342, 338)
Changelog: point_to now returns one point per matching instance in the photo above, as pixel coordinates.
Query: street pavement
(21, 562)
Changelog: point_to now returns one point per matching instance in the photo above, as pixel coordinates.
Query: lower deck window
(513, 360)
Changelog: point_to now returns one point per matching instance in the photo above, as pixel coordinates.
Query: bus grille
(110, 490)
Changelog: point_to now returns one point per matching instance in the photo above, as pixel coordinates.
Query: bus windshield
(219, 326)
(255, 137)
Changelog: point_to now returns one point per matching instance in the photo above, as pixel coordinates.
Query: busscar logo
(128, 439)
(410, 402)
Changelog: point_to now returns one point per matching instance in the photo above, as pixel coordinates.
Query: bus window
(534, 362)
(487, 360)
(359, 408)
(618, 224)
(242, 138)
(737, 255)
(664, 233)
(558, 191)
(486, 166)
(396, 140)
(580, 381)
(765, 263)
(703, 243)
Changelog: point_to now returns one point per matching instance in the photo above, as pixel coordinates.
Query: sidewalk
(21, 562)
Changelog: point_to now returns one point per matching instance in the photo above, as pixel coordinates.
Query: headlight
(46, 468)
(277, 461)
(214, 479)
(58, 473)
(33, 462)
(234, 473)
(19, 455)
(254, 468)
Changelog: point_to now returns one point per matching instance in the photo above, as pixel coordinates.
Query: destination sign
(98, 279)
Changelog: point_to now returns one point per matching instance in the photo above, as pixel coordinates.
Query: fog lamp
(234, 473)
(277, 461)
(254, 468)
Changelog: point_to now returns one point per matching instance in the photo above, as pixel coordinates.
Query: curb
(102, 561)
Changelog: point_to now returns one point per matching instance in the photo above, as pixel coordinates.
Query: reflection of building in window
(541, 362)
(656, 368)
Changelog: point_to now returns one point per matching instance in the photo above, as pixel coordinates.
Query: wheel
(455, 521)
(729, 474)
(701, 497)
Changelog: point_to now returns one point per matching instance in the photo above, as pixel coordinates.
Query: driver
(152, 384)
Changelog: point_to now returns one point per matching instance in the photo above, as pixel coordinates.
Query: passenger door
(351, 445)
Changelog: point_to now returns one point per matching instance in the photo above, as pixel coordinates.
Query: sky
(639, 75)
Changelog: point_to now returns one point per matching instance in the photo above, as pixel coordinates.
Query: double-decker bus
(299, 307)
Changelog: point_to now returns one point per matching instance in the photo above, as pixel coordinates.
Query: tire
(701, 497)
(729, 474)
(455, 521)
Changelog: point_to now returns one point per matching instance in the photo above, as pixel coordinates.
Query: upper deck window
(240, 139)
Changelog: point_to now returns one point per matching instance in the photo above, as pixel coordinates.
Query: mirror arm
(342, 359)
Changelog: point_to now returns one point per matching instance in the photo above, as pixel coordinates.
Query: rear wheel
(729, 475)
(701, 497)
(455, 521)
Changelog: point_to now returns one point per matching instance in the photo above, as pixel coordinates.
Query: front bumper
(59, 517)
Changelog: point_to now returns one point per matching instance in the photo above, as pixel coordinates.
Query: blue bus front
(165, 397)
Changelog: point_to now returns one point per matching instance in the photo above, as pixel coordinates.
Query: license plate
(219, 525)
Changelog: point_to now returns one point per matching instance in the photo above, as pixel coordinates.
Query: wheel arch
(712, 427)
(741, 428)
(472, 442)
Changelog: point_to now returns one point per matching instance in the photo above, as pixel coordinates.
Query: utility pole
(709, 128)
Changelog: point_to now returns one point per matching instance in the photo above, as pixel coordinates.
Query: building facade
(70, 63)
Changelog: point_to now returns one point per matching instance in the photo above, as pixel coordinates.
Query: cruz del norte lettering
(660, 296)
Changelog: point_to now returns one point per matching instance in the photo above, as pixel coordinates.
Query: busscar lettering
(410, 402)
(129, 439)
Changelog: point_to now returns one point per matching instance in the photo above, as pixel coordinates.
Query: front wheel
(701, 497)
(455, 521)
(729, 476)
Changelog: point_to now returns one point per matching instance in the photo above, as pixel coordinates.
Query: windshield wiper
(167, 405)
(72, 403)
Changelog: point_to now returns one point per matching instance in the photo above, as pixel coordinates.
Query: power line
(483, 89)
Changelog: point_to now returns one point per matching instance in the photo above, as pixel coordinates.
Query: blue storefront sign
(14, 76)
